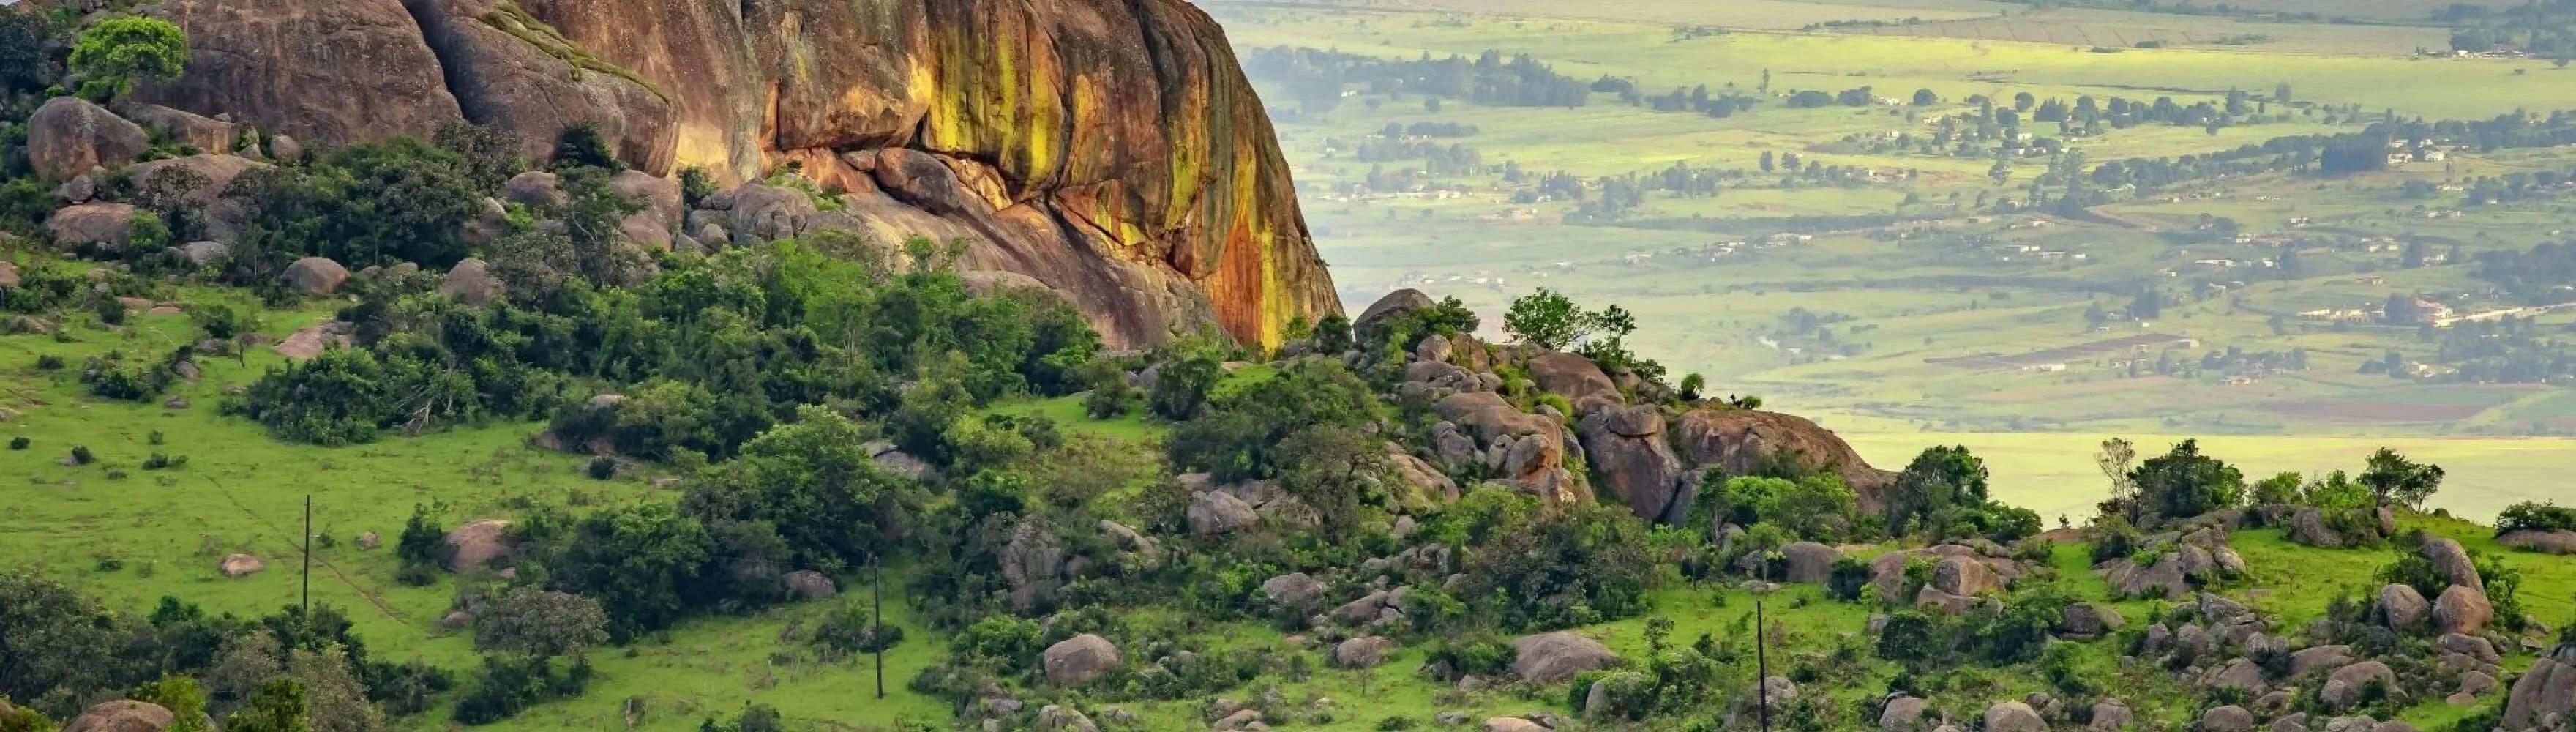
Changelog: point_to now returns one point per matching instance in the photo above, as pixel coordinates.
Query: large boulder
(68, 136)
(1964, 575)
(100, 226)
(2545, 692)
(2453, 562)
(1219, 512)
(2110, 715)
(2013, 716)
(1809, 561)
(472, 282)
(1739, 440)
(1080, 660)
(333, 73)
(1392, 304)
(315, 276)
(1548, 658)
(1032, 564)
(1902, 714)
(202, 180)
(478, 544)
(500, 60)
(2547, 542)
(2085, 620)
(2345, 687)
(1575, 378)
(2230, 718)
(2462, 609)
(122, 715)
(2313, 658)
(1631, 459)
(1294, 590)
(2308, 526)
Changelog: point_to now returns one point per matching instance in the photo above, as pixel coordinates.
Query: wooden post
(876, 568)
(1761, 666)
(307, 603)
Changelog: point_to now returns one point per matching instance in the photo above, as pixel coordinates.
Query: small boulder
(2314, 658)
(284, 149)
(205, 253)
(1079, 660)
(240, 565)
(1057, 718)
(370, 540)
(456, 620)
(1513, 724)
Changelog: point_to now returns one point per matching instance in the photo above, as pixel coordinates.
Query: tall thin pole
(1761, 665)
(307, 604)
(876, 568)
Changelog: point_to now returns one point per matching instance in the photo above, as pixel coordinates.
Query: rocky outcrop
(1737, 440)
(100, 226)
(1523, 450)
(1575, 378)
(204, 133)
(1631, 459)
(1111, 151)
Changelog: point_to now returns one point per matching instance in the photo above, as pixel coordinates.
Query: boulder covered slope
(1111, 150)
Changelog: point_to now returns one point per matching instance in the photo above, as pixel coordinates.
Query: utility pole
(876, 568)
(307, 603)
(1761, 666)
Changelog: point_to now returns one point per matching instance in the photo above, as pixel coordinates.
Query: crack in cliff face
(422, 21)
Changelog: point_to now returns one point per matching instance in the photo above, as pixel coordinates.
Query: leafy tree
(487, 155)
(2280, 489)
(1938, 478)
(1243, 433)
(1333, 469)
(64, 647)
(814, 484)
(540, 623)
(642, 563)
(1333, 334)
(183, 697)
(23, 719)
(2397, 480)
(582, 146)
(1187, 370)
(113, 54)
(1546, 319)
(2184, 483)
(278, 706)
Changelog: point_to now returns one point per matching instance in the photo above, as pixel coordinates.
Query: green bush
(116, 376)
(2535, 516)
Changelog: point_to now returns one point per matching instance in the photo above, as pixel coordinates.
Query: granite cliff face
(1108, 149)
